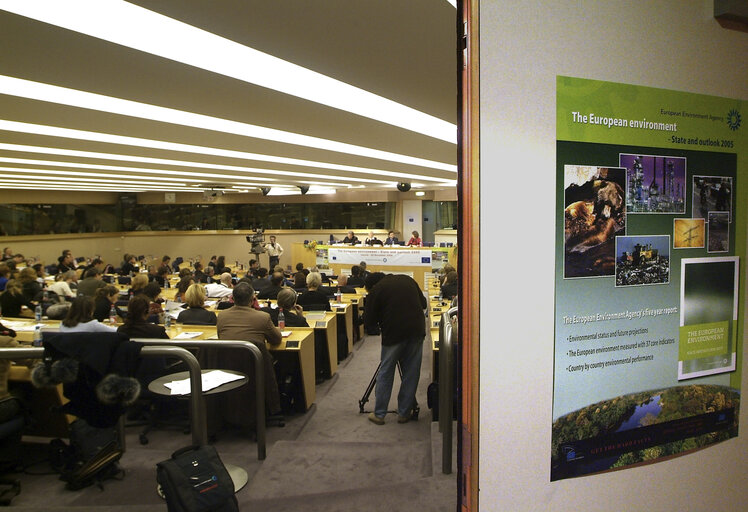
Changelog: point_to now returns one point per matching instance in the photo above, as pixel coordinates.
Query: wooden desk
(328, 326)
(345, 312)
(356, 300)
(434, 354)
(296, 349)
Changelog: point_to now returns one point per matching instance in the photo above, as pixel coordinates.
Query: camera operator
(274, 251)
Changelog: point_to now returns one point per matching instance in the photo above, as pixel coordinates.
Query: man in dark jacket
(396, 305)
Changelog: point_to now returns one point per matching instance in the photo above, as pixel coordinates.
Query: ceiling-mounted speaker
(403, 186)
(265, 190)
(304, 189)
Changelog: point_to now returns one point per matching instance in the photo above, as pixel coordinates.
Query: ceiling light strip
(138, 28)
(55, 131)
(71, 97)
(183, 163)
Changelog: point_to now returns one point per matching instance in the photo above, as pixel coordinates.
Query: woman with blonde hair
(31, 288)
(138, 283)
(196, 314)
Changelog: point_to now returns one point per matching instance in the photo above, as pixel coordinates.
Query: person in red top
(415, 240)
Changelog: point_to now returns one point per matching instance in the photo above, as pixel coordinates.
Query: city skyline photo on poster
(646, 354)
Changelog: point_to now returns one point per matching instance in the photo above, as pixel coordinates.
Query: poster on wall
(649, 253)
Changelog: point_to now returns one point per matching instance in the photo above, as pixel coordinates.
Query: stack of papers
(211, 380)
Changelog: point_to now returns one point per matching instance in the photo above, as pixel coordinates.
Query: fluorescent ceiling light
(184, 163)
(420, 193)
(63, 96)
(69, 133)
(138, 28)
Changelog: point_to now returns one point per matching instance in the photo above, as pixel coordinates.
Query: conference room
(200, 129)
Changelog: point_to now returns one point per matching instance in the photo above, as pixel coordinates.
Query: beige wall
(673, 44)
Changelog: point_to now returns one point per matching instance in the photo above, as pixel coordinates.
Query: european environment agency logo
(733, 119)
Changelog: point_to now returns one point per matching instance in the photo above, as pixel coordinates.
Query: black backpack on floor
(195, 480)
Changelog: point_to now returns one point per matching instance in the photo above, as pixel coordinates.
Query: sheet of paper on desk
(21, 326)
(210, 303)
(187, 335)
(286, 334)
(210, 380)
(173, 306)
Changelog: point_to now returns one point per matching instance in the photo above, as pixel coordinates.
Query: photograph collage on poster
(597, 200)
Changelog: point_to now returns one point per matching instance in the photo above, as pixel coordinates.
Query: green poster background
(617, 348)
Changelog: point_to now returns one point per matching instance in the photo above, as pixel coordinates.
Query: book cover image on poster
(711, 193)
(708, 317)
(688, 233)
(594, 213)
(655, 184)
(642, 260)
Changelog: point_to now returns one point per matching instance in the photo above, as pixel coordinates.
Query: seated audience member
(212, 262)
(91, 282)
(262, 280)
(350, 238)
(391, 239)
(129, 265)
(343, 285)
(61, 286)
(449, 288)
(364, 273)
(152, 272)
(292, 312)
(356, 280)
(222, 288)
(162, 277)
(104, 298)
(221, 267)
(300, 268)
(166, 262)
(80, 318)
(39, 269)
(4, 275)
(299, 281)
(254, 267)
(196, 314)
(152, 292)
(242, 322)
(137, 284)
(97, 263)
(313, 299)
(13, 298)
(415, 240)
(136, 324)
(185, 272)
(7, 254)
(200, 276)
(66, 261)
(31, 287)
(372, 240)
(182, 287)
(210, 275)
(276, 285)
(446, 269)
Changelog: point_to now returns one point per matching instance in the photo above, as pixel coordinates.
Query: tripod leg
(369, 389)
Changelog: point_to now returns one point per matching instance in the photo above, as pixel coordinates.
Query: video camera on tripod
(257, 239)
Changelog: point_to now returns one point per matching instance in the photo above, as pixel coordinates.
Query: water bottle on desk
(281, 319)
(112, 314)
(38, 313)
(167, 321)
(37, 342)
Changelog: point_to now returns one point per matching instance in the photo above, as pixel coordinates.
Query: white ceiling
(400, 50)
